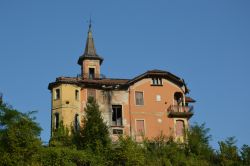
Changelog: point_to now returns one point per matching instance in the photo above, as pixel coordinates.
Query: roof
(115, 83)
(189, 99)
(104, 83)
(90, 51)
(160, 73)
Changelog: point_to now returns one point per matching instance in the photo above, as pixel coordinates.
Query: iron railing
(91, 76)
(178, 108)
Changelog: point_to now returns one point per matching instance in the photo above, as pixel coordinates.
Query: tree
(198, 140)
(94, 134)
(19, 136)
(245, 154)
(61, 137)
(127, 152)
(228, 153)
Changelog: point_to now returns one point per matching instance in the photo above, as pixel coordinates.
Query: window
(116, 115)
(77, 94)
(57, 94)
(157, 81)
(139, 98)
(56, 120)
(179, 128)
(117, 131)
(158, 97)
(91, 73)
(178, 98)
(140, 128)
(92, 93)
(77, 122)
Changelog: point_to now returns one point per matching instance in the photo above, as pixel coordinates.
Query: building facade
(148, 105)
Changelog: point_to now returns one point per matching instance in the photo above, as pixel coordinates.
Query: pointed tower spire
(90, 46)
(90, 51)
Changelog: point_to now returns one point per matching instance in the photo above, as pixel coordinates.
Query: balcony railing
(180, 111)
(91, 76)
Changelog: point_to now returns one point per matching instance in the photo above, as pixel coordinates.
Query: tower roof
(90, 51)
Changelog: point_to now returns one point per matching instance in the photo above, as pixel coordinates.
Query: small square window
(158, 98)
(117, 131)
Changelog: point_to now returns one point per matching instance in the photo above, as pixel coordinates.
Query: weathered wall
(105, 100)
(67, 106)
(154, 113)
(91, 64)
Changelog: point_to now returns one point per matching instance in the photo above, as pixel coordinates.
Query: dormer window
(157, 81)
(91, 73)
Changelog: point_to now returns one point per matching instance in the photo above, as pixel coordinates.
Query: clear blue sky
(206, 42)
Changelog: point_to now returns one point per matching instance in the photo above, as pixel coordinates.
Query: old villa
(152, 103)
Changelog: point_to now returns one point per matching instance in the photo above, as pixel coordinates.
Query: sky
(206, 42)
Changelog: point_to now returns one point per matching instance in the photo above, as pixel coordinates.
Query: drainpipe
(130, 118)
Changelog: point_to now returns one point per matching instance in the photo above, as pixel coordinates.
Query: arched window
(77, 122)
(178, 98)
(180, 128)
(56, 120)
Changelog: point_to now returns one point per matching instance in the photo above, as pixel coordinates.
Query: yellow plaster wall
(67, 106)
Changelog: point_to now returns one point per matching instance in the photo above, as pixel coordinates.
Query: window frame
(157, 81)
(158, 98)
(77, 94)
(115, 108)
(56, 121)
(139, 104)
(91, 74)
(57, 94)
(176, 128)
(77, 122)
(144, 127)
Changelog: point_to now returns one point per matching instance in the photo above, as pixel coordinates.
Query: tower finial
(90, 23)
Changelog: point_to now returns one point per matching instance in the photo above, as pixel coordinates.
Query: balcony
(91, 76)
(176, 111)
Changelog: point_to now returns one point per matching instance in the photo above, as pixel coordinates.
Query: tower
(90, 61)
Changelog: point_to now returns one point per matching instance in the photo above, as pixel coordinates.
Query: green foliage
(228, 154)
(198, 143)
(19, 137)
(61, 137)
(127, 152)
(198, 140)
(94, 135)
(245, 154)
(58, 156)
(20, 145)
(165, 151)
(161, 151)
